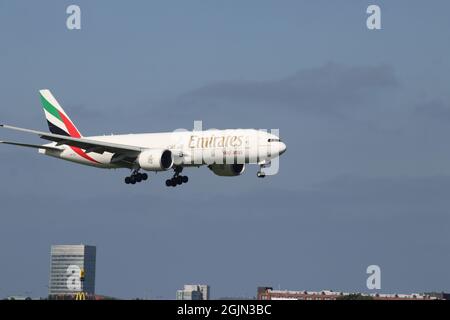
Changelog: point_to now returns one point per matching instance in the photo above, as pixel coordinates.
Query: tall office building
(72, 270)
(193, 292)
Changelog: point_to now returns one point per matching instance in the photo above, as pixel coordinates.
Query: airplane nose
(282, 147)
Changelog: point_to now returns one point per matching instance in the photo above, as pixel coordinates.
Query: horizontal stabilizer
(83, 143)
(31, 145)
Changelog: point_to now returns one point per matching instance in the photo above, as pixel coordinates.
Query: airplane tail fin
(58, 121)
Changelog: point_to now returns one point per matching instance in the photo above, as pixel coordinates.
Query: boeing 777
(225, 152)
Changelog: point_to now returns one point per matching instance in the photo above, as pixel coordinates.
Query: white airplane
(225, 152)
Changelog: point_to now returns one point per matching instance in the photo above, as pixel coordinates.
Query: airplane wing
(31, 145)
(86, 144)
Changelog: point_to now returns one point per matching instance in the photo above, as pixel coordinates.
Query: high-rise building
(193, 292)
(72, 270)
(204, 289)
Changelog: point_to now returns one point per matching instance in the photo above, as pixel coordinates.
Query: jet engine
(227, 170)
(155, 160)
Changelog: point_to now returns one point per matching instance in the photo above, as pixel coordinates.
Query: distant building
(189, 295)
(193, 292)
(72, 270)
(439, 295)
(19, 298)
(267, 293)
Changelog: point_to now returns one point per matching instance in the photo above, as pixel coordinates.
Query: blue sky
(365, 115)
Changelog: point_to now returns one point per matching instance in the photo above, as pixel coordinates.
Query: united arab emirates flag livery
(59, 122)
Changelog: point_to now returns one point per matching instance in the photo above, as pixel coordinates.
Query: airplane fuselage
(189, 148)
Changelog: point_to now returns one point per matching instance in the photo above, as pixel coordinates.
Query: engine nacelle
(155, 160)
(227, 170)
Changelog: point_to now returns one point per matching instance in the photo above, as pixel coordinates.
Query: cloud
(332, 88)
(434, 109)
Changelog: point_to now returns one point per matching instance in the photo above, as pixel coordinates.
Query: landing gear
(136, 176)
(261, 173)
(177, 179)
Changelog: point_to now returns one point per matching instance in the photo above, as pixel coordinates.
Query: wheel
(138, 177)
(127, 180)
(168, 182)
(173, 182)
(144, 176)
(132, 180)
(179, 180)
(185, 179)
(260, 174)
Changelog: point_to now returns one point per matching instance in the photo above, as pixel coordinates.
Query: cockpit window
(274, 140)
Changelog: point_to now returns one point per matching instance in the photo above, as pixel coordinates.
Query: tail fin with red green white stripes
(58, 121)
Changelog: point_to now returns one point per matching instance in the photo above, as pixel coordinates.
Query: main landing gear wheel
(177, 179)
(136, 177)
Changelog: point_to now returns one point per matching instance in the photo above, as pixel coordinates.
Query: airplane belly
(81, 157)
(219, 156)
